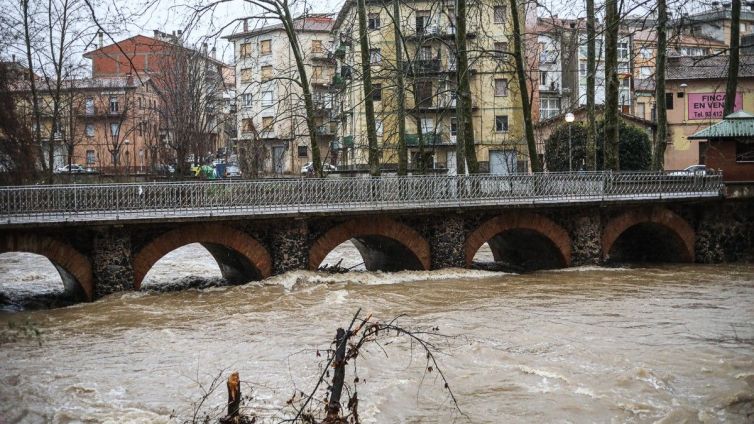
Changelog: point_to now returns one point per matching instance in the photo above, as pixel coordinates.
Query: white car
(73, 169)
(691, 170)
(309, 167)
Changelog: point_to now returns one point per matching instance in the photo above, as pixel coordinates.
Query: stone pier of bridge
(99, 258)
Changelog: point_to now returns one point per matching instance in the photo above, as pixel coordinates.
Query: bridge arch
(74, 268)
(385, 244)
(241, 257)
(655, 234)
(525, 239)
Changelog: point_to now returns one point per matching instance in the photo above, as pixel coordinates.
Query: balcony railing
(163, 201)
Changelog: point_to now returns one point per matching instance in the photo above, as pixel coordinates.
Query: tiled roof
(715, 67)
(647, 84)
(735, 125)
(86, 83)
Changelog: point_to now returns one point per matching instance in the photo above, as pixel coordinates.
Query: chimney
(180, 32)
(213, 52)
(156, 33)
(204, 49)
(129, 79)
(100, 37)
(246, 25)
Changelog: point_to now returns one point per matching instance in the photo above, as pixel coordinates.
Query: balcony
(98, 111)
(430, 139)
(426, 66)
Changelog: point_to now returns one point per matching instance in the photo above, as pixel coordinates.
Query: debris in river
(337, 268)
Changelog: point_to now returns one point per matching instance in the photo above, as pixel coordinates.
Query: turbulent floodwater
(663, 344)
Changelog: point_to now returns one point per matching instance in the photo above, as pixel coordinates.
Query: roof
(311, 23)
(736, 125)
(87, 83)
(599, 109)
(143, 40)
(712, 15)
(679, 39)
(645, 84)
(711, 67)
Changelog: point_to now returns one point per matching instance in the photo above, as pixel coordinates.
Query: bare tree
(658, 159)
(612, 25)
(733, 63)
(463, 112)
(591, 73)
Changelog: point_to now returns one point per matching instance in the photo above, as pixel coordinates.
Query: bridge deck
(29, 205)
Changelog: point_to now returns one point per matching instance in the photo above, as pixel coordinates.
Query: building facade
(270, 101)
(430, 84)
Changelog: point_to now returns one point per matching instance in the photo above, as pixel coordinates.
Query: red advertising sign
(710, 105)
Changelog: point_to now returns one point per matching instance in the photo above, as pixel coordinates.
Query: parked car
(232, 171)
(72, 169)
(691, 170)
(309, 168)
(164, 169)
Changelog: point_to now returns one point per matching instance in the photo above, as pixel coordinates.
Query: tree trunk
(366, 75)
(465, 132)
(400, 90)
(37, 118)
(658, 158)
(311, 124)
(234, 395)
(518, 55)
(591, 65)
(611, 85)
(733, 64)
(339, 375)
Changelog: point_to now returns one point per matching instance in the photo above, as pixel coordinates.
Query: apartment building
(715, 22)
(107, 124)
(270, 101)
(154, 58)
(430, 83)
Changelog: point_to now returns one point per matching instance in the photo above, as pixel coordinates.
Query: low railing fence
(249, 197)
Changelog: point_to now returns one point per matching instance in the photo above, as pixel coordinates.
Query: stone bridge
(105, 239)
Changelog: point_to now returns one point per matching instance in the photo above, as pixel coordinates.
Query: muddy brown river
(655, 344)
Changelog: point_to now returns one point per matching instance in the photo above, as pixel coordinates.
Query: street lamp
(570, 118)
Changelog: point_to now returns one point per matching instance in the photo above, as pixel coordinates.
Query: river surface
(667, 344)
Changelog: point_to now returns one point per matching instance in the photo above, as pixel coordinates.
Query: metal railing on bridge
(160, 200)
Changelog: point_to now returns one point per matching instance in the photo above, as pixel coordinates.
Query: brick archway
(74, 268)
(519, 221)
(224, 237)
(404, 235)
(660, 216)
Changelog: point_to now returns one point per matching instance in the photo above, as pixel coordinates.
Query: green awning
(430, 139)
(735, 125)
(347, 141)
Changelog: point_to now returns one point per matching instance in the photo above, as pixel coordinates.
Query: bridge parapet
(281, 197)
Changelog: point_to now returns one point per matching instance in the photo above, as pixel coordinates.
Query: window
(247, 125)
(303, 152)
(267, 98)
(422, 21)
(423, 93)
(266, 73)
(669, 101)
(114, 129)
(500, 12)
(114, 104)
(246, 99)
(623, 50)
(542, 77)
(501, 48)
(428, 125)
(501, 123)
(501, 87)
(378, 127)
(265, 47)
(375, 56)
(317, 46)
(373, 21)
(641, 110)
(376, 92)
(623, 68)
(425, 53)
(245, 74)
(453, 127)
(89, 106)
(267, 124)
(744, 152)
(646, 52)
(582, 70)
(245, 50)
(89, 129)
(548, 107)
(645, 72)
(90, 157)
